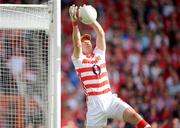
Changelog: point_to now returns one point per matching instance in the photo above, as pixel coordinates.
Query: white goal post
(30, 65)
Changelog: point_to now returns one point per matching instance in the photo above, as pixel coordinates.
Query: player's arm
(76, 36)
(100, 36)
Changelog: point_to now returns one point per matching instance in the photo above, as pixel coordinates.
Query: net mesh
(24, 17)
(23, 67)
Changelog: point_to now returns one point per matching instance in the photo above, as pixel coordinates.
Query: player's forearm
(76, 36)
(98, 29)
(76, 42)
(100, 39)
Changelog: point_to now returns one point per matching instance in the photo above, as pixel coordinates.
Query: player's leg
(131, 116)
(121, 110)
(96, 121)
(95, 117)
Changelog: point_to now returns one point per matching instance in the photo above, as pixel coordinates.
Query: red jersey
(92, 72)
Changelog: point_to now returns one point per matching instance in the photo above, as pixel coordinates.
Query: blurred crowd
(23, 78)
(143, 60)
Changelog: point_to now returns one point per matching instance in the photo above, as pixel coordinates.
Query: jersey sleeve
(76, 61)
(100, 53)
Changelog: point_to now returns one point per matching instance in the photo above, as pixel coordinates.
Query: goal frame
(54, 120)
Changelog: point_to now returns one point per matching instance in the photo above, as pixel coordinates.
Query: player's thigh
(117, 108)
(96, 121)
(95, 117)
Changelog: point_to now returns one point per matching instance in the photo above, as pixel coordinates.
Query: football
(87, 14)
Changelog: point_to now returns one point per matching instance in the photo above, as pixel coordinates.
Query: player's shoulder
(73, 58)
(99, 51)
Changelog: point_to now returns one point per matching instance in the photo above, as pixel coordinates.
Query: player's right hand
(73, 13)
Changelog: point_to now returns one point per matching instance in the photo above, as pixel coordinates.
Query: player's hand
(73, 10)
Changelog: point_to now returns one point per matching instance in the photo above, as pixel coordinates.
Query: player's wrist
(74, 23)
(93, 23)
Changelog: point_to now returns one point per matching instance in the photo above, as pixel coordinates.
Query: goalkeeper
(91, 68)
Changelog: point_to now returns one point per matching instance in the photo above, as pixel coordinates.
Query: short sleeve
(76, 61)
(99, 52)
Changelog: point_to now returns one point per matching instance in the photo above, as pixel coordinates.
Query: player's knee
(131, 116)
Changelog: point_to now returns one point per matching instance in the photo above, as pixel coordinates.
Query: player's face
(87, 46)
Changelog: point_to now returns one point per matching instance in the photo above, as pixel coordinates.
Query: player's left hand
(73, 13)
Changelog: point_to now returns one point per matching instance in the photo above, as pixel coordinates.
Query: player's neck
(87, 52)
(89, 55)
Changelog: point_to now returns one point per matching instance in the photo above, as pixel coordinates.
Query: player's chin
(89, 48)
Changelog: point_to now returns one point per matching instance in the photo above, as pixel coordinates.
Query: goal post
(54, 68)
(29, 66)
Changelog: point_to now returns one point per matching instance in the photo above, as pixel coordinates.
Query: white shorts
(102, 107)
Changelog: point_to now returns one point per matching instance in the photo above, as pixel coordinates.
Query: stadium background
(143, 59)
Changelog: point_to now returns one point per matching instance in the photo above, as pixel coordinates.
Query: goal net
(24, 44)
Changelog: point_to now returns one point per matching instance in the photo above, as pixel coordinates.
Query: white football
(87, 14)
